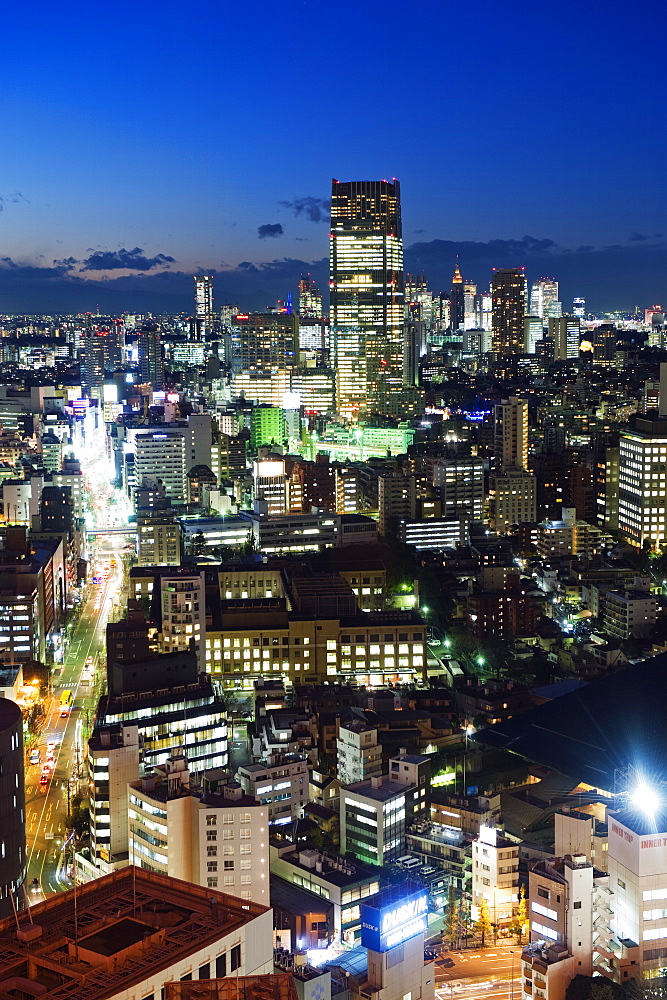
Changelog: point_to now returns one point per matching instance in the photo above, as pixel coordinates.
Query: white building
(218, 839)
(638, 877)
(495, 874)
(569, 913)
(630, 613)
(113, 761)
(161, 454)
(359, 757)
(642, 483)
(281, 785)
(183, 603)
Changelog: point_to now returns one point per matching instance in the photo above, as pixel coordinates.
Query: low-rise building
(281, 784)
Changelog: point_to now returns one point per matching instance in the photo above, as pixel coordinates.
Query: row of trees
(458, 925)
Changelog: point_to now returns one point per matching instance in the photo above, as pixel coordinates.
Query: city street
(482, 974)
(47, 798)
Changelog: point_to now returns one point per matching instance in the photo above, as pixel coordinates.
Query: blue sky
(181, 130)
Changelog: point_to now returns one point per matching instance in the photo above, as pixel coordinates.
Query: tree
(450, 930)
(483, 922)
(520, 917)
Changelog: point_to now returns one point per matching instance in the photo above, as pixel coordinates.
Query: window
(544, 893)
(221, 966)
(244, 834)
(228, 880)
(212, 866)
(212, 882)
(235, 958)
(246, 863)
(577, 905)
(229, 866)
(211, 835)
(211, 820)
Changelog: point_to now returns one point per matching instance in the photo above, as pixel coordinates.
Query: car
(64, 714)
(50, 747)
(35, 756)
(44, 779)
(89, 661)
(35, 885)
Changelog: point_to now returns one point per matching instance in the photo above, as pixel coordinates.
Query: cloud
(640, 237)
(14, 198)
(468, 250)
(270, 230)
(315, 209)
(116, 260)
(68, 263)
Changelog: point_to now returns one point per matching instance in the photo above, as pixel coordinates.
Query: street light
(512, 977)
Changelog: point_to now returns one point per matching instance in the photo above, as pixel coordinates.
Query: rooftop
(382, 790)
(92, 940)
(598, 729)
(270, 987)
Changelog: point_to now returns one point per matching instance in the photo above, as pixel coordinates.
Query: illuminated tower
(543, 293)
(203, 305)
(508, 292)
(367, 299)
(457, 300)
(310, 298)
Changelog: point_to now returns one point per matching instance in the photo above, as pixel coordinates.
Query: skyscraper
(310, 298)
(203, 305)
(543, 293)
(564, 331)
(151, 366)
(511, 434)
(367, 298)
(457, 300)
(508, 291)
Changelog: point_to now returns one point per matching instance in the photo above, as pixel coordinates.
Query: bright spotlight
(646, 799)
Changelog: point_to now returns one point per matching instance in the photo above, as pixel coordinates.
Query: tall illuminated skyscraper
(543, 292)
(310, 298)
(508, 292)
(367, 299)
(457, 300)
(203, 305)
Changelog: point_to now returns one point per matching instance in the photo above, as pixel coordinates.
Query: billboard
(399, 919)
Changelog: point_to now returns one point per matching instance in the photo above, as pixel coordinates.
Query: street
(47, 798)
(481, 974)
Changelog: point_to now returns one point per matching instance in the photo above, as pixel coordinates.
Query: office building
(214, 835)
(113, 761)
(375, 814)
(642, 483)
(543, 295)
(342, 882)
(358, 754)
(13, 858)
(203, 306)
(460, 482)
(367, 299)
(510, 434)
(513, 500)
(267, 426)
(495, 875)
(637, 866)
(569, 902)
(579, 307)
(160, 456)
(266, 342)
(533, 333)
(630, 613)
(310, 298)
(158, 538)
(149, 348)
(565, 334)
(397, 501)
(457, 301)
(280, 784)
(125, 936)
(508, 290)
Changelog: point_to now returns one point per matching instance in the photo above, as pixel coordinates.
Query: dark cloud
(584, 249)
(641, 237)
(14, 198)
(68, 263)
(315, 209)
(270, 230)
(116, 260)
(468, 250)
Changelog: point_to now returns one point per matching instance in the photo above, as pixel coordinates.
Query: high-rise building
(149, 345)
(533, 329)
(367, 298)
(642, 474)
(511, 434)
(579, 307)
(457, 300)
(12, 810)
(266, 342)
(461, 485)
(310, 298)
(508, 291)
(564, 331)
(543, 293)
(203, 305)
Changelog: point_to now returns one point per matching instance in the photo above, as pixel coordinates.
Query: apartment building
(214, 835)
(495, 874)
(280, 784)
(358, 754)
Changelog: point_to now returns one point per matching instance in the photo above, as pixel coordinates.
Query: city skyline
(124, 174)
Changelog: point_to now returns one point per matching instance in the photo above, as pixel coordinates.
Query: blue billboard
(387, 924)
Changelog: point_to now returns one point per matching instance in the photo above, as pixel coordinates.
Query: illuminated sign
(385, 927)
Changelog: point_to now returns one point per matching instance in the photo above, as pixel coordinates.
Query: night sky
(143, 142)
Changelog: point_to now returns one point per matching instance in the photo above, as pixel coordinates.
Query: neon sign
(384, 927)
